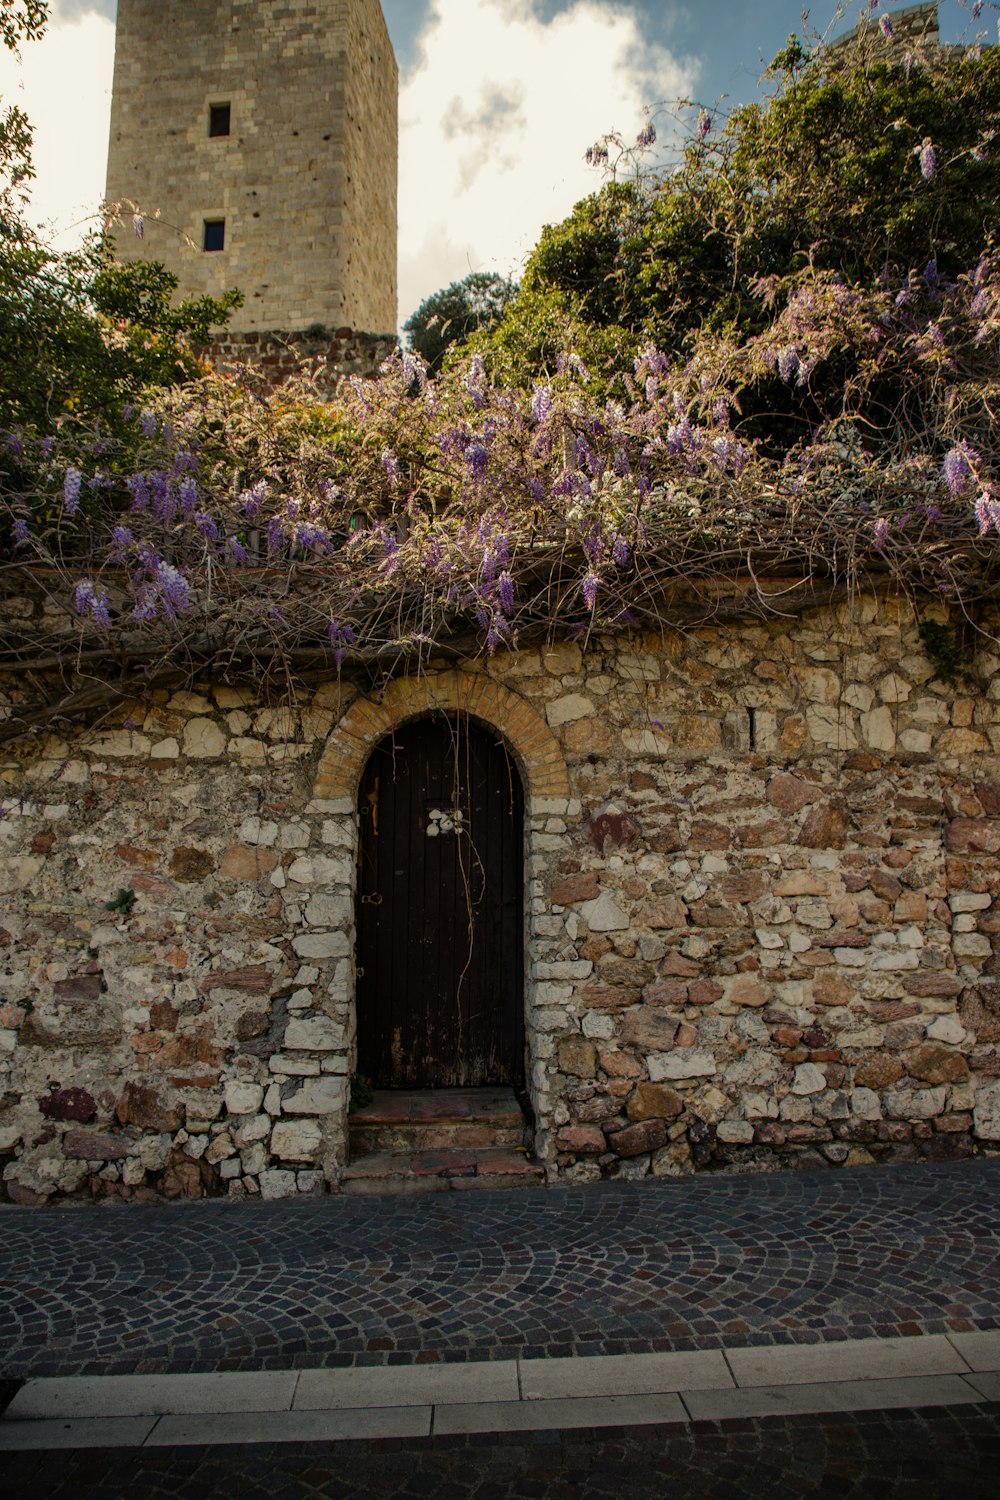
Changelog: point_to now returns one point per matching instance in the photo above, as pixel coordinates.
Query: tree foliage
(867, 160)
(449, 317)
(80, 334)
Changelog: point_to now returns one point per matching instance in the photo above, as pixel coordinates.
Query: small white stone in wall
(986, 1118)
(167, 749)
(203, 739)
(735, 1132)
(683, 1062)
(865, 1104)
(243, 1098)
(969, 901)
(318, 1096)
(894, 689)
(319, 1034)
(275, 1184)
(808, 1079)
(604, 914)
(254, 830)
(768, 939)
(595, 1024)
(323, 945)
(946, 1029)
(567, 710)
(296, 1140)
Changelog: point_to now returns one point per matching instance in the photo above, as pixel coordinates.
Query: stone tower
(259, 140)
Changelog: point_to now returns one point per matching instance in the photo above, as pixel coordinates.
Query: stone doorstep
(493, 1106)
(443, 1131)
(438, 1170)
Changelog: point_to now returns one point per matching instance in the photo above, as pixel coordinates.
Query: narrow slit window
(215, 234)
(219, 119)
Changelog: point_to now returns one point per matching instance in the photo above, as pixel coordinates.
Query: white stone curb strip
(403, 1401)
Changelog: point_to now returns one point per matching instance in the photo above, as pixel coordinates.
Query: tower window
(215, 234)
(218, 119)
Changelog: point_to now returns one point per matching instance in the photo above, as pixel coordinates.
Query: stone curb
(418, 1400)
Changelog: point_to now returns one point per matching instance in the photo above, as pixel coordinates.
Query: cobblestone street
(725, 1263)
(621, 1268)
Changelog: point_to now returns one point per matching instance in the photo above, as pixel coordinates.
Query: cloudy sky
(499, 99)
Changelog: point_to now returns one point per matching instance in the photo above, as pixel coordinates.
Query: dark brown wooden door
(440, 990)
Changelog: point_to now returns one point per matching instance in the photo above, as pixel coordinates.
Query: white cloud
(63, 83)
(495, 118)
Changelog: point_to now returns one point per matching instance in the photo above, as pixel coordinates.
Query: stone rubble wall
(324, 357)
(762, 930)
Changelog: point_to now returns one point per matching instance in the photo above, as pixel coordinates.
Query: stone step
(439, 1171)
(436, 1120)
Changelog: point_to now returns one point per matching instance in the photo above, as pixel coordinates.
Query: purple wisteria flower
(207, 525)
(390, 464)
(88, 600)
(959, 467)
(647, 135)
(71, 491)
(542, 403)
(21, 533)
(987, 513)
(147, 421)
(163, 591)
(506, 592)
(886, 28)
(588, 588)
(788, 363)
(188, 493)
(121, 539)
(880, 533)
(139, 226)
(704, 125)
(340, 637)
(620, 552)
(477, 457)
(928, 158)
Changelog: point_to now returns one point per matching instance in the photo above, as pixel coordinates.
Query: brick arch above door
(534, 746)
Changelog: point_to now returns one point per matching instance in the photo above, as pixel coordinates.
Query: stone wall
(323, 356)
(306, 179)
(762, 923)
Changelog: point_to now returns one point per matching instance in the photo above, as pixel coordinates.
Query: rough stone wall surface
(324, 359)
(305, 181)
(762, 927)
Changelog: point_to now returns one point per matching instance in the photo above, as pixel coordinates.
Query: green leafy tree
(450, 316)
(866, 160)
(80, 334)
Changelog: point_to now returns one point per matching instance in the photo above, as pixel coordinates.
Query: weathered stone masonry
(761, 915)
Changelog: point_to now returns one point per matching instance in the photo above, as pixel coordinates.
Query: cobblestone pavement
(617, 1268)
(923, 1454)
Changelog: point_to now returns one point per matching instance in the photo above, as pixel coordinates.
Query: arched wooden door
(440, 896)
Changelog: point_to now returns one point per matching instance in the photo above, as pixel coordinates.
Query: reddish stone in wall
(575, 888)
(586, 1140)
(974, 835)
(69, 1104)
(93, 1145)
(613, 830)
(635, 1140)
(80, 987)
(141, 1105)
